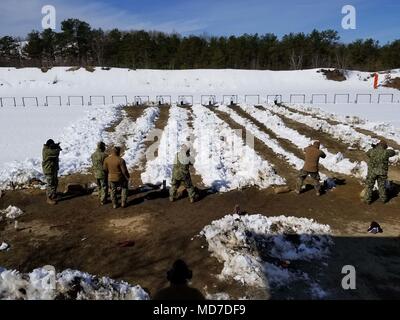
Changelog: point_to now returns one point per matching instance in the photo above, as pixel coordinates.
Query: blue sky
(378, 19)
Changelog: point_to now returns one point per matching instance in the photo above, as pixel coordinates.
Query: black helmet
(101, 145)
(50, 143)
(179, 273)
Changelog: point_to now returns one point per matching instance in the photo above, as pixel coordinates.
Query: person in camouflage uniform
(50, 166)
(98, 158)
(378, 166)
(181, 174)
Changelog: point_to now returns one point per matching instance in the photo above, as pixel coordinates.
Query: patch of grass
(74, 68)
(393, 83)
(335, 75)
(45, 69)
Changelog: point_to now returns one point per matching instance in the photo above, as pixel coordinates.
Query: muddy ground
(77, 233)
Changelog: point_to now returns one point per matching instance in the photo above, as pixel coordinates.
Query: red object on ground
(126, 244)
(376, 77)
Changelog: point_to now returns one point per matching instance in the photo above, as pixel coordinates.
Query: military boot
(51, 201)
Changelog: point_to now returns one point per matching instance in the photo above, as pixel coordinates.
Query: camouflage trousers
(187, 182)
(370, 183)
(123, 184)
(52, 184)
(313, 175)
(102, 187)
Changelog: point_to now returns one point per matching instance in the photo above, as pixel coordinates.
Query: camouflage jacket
(98, 158)
(181, 170)
(378, 163)
(50, 163)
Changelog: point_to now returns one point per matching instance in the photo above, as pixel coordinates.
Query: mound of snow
(223, 159)
(11, 213)
(269, 253)
(45, 284)
(175, 134)
(132, 134)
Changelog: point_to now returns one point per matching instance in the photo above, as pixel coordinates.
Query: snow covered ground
(382, 112)
(11, 213)
(384, 126)
(333, 162)
(45, 284)
(78, 140)
(28, 82)
(270, 253)
(175, 134)
(223, 160)
(132, 133)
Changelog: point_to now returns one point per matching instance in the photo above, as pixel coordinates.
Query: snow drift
(269, 252)
(45, 284)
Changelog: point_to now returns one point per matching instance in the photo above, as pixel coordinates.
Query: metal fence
(231, 98)
(164, 100)
(296, 95)
(252, 97)
(73, 99)
(361, 95)
(314, 96)
(276, 97)
(96, 98)
(210, 99)
(185, 100)
(337, 95)
(51, 98)
(142, 100)
(3, 101)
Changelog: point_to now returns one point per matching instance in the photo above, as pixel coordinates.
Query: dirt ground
(80, 234)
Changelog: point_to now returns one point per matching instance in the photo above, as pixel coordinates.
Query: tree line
(78, 44)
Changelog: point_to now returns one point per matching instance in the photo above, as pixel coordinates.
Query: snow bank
(132, 135)
(223, 160)
(254, 249)
(11, 213)
(333, 162)
(78, 142)
(45, 284)
(175, 134)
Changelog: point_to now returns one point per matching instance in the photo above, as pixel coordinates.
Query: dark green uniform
(378, 166)
(98, 158)
(50, 166)
(181, 174)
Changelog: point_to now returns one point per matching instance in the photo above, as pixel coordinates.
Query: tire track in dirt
(286, 144)
(290, 146)
(391, 143)
(160, 124)
(133, 113)
(196, 178)
(282, 167)
(330, 143)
